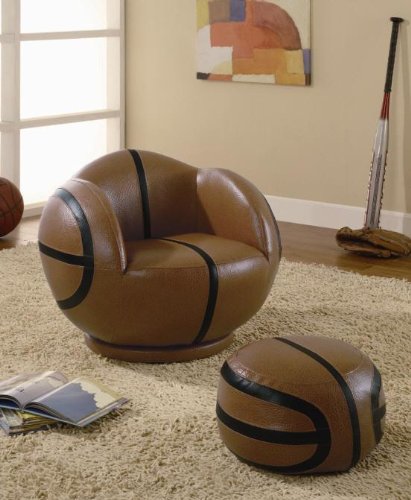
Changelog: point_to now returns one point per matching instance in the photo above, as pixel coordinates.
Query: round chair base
(153, 354)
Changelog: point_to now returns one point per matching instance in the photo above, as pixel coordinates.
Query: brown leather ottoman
(300, 404)
(156, 260)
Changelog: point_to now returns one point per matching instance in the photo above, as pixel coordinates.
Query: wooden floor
(307, 244)
(312, 244)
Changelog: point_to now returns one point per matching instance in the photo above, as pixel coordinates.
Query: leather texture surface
(319, 401)
(155, 254)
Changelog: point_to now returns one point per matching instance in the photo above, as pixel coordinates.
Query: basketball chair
(155, 260)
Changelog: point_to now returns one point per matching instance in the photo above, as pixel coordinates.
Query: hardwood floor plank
(308, 244)
(24, 233)
(315, 245)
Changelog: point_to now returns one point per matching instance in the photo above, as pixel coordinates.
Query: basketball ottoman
(300, 404)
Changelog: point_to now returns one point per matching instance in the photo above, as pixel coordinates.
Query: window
(62, 90)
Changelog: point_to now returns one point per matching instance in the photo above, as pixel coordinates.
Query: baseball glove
(374, 242)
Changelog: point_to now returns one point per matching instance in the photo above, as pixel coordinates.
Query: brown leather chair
(156, 260)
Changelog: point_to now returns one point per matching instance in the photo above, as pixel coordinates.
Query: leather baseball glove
(374, 242)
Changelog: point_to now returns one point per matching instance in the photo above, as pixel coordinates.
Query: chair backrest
(151, 195)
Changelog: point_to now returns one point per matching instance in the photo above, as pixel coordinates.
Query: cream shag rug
(165, 444)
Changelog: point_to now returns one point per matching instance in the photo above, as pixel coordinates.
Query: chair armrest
(79, 215)
(233, 208)
(108, 241)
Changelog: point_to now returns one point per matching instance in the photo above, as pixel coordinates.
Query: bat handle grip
(393, 46)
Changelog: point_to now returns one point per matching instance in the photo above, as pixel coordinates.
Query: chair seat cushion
(197, 284)
(167, 254)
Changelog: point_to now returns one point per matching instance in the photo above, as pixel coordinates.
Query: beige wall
(311, 143)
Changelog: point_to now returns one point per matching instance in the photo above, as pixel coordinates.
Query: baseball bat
(379, 159)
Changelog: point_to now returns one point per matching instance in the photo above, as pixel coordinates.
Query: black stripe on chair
(212, 290)
(145, 205)
(86, 260)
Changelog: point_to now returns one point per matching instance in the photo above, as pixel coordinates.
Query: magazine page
(10, 383)
(80, 401)
(29, 386)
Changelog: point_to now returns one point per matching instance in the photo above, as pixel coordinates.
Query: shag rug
(165, 444)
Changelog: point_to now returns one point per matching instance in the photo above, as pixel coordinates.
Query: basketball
(11, 206)
(300, 405)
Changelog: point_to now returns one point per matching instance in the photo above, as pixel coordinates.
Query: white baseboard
(313, 213)
(316, 213)
(33, 210)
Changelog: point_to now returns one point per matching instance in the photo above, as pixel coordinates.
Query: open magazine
(49, 394)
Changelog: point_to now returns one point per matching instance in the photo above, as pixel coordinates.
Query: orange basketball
(11, 206)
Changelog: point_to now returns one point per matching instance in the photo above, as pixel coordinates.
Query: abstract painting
(263, 41)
